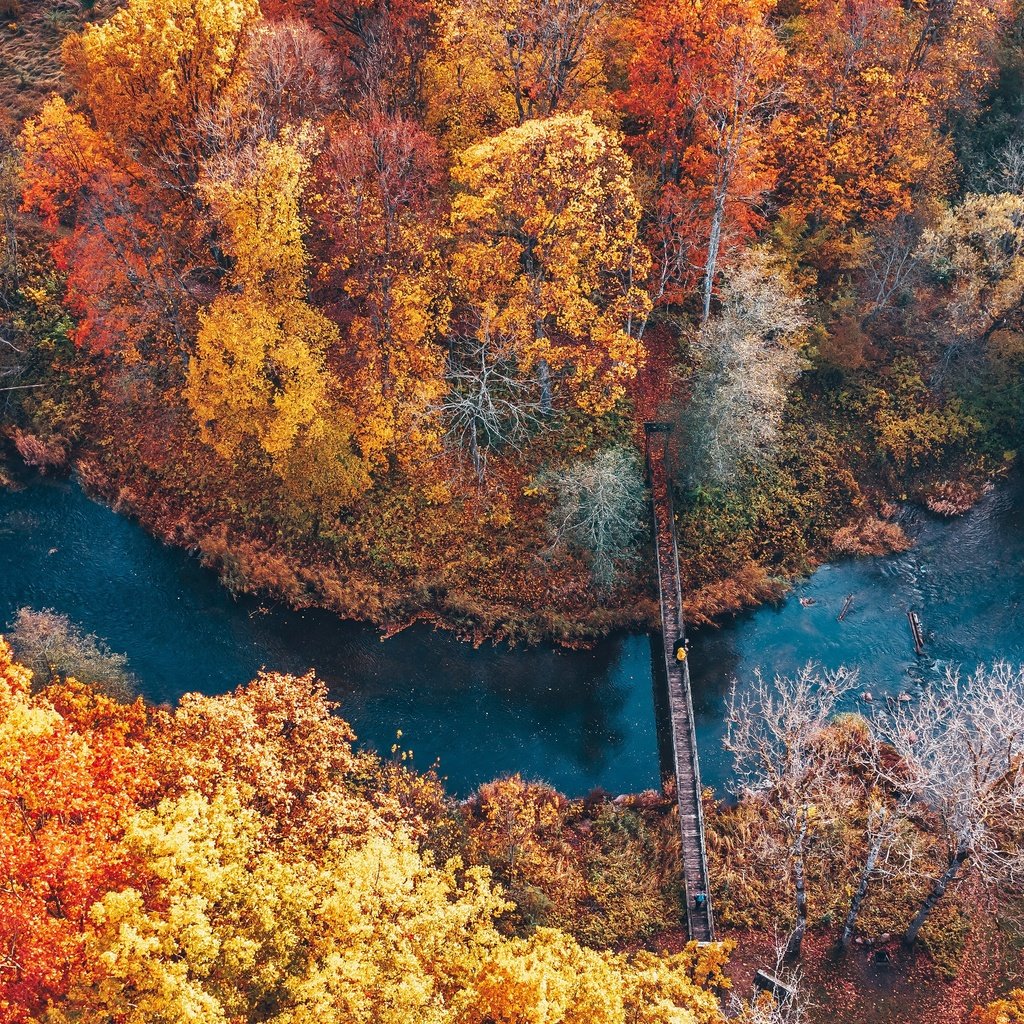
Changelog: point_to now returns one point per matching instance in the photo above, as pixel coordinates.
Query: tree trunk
(938, 891)
(544, 375)
(714, 244)
(799, 882)
(478, 456)
(858, 897)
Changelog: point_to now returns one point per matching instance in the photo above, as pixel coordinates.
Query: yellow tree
(266, 875)
(258, 375)
(504, 62)
(548, 977)
(1009, 1010)
(381, 220)
(677, 989)
(279, 744)
(153, 74)
(548, 259)
(510, 816)
(234, 926)
(258, 378)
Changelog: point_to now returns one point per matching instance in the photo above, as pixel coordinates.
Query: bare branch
(960, 750)
(600, 509)
(489, 404)
(748, 358)
(777, 734)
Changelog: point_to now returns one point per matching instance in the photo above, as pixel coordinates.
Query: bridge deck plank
(700, 920)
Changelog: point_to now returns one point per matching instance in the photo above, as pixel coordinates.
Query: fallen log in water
(916, 631)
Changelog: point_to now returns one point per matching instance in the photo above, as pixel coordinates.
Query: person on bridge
(700, 901)
(680, 649)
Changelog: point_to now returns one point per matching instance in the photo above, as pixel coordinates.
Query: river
(578, 720)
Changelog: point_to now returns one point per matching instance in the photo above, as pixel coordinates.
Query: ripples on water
(575, 719)
(963, 577)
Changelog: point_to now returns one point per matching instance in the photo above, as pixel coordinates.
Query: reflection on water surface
(575, 719)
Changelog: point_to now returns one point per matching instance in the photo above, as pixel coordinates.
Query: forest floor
(31, 33)
(883, 984)
(878, 984)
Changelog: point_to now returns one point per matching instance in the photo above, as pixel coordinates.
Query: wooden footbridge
(699, 918)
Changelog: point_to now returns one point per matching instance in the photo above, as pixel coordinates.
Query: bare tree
(53, 647)
(776, 733)
(749, 356)
(292, 77)
(786, 1006)
(600, 508)
(1007, 171)
(489, 405)
(888, 852)
(893, 262)
(961, 753)
(765, 1009)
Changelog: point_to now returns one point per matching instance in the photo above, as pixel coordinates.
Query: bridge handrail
(688, 896)
(659, 480)
(698, 795)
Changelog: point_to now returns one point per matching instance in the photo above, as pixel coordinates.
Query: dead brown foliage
(31, 34)
(748, 586)
(952, 498)
(39, 452)
(870, 536)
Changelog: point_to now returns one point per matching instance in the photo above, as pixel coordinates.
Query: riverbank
(483, 558)
(477, 562)
(605, 872)
(578, 719)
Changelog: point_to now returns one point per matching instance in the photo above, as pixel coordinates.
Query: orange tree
(72, 768)
(150, 81)
(869, 85)
(704, 82)
(238, 861)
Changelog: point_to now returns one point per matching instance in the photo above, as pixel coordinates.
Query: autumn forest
(365, 304)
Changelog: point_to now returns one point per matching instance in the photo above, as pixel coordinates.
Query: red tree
(703, 82)
(381, 44)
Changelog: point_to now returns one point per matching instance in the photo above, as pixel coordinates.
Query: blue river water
(578, 720)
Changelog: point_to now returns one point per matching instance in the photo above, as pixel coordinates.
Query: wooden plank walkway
(700, 920)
